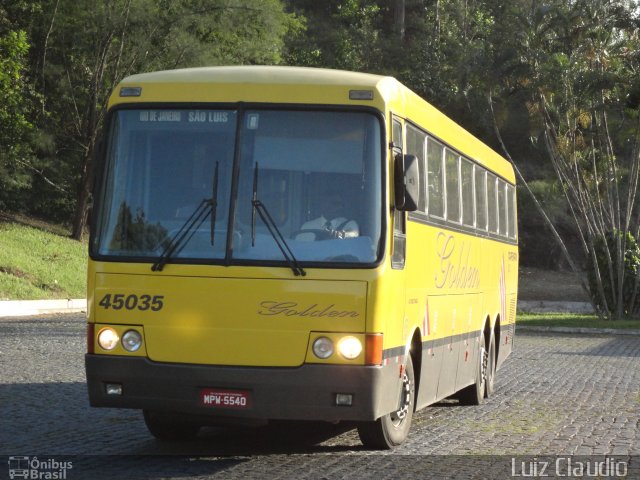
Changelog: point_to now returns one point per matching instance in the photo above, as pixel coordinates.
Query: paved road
(556, 395)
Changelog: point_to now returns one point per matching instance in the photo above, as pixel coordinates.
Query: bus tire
(169, 428)
(491, 368)
(474, 393)
(392, 429)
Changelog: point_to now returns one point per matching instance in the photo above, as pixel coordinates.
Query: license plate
(216, 398)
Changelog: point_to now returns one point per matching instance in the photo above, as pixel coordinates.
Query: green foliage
(607, 258)
(80, 49)
(16, 128)
(340, 34)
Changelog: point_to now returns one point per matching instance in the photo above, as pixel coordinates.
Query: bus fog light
(108, 339)
(344, 399)
(350, 347)
(113, 389)
(323, 348)
(131, 340)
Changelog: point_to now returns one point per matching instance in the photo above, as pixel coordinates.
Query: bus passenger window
(435, 178)
(415, 146)
(492, 202)
(511, 206)
(468, 210)
(453, 186)
(481, 198)
(502, 206)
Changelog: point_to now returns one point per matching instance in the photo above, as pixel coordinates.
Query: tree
(593, 138)
(15, 103)
(86, 47)
(574, 65)
(343, 34)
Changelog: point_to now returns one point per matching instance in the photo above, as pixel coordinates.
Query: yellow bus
(280, 243)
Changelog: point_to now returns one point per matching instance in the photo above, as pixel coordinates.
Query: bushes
(606, 250)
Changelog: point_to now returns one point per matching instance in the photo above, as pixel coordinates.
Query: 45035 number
(119, 301)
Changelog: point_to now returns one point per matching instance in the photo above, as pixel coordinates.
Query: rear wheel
(474, 394)
(169, 427)
(392, 429)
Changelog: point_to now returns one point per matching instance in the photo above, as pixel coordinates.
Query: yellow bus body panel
(222, 320)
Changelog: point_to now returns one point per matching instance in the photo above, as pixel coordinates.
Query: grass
(39, 263)
(573, 320)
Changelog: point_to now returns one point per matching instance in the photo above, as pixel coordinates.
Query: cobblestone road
(556, 395)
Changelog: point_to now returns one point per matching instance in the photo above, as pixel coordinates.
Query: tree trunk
(399, 18)
(84, 194)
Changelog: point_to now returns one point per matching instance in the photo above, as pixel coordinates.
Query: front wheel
(392, 429)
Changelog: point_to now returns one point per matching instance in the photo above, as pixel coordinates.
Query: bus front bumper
(307, 392)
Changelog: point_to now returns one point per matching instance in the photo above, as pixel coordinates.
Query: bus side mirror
(407, 182)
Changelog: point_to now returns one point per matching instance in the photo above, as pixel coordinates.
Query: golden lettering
(455, 270)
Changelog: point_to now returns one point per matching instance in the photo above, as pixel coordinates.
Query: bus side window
(511, 205)
(481, 198)
(468, 210)
(453, 186)
(502, 207)
(415, 146)
(435, 187)
(492, 202)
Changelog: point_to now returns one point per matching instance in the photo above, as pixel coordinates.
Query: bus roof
(260, 74)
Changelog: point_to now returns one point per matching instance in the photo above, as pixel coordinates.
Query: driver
(331, 223)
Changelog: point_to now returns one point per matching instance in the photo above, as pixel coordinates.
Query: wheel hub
(405, 401)
(485, 362)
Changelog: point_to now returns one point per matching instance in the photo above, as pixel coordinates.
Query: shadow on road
(275, 438)
(55, 418)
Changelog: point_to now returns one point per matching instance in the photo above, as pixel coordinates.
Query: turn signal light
(373, 349)
(91, 333)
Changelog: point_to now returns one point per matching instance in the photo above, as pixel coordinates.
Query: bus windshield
(317, 174)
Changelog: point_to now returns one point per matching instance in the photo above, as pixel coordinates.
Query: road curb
(24, 308)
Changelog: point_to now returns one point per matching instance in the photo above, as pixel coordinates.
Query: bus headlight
(131, 340)
(108, 339)
(323, 348)
(349, 347)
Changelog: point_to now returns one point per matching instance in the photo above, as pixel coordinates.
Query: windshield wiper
(208, 206)
(184, 233)
(262, 211)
